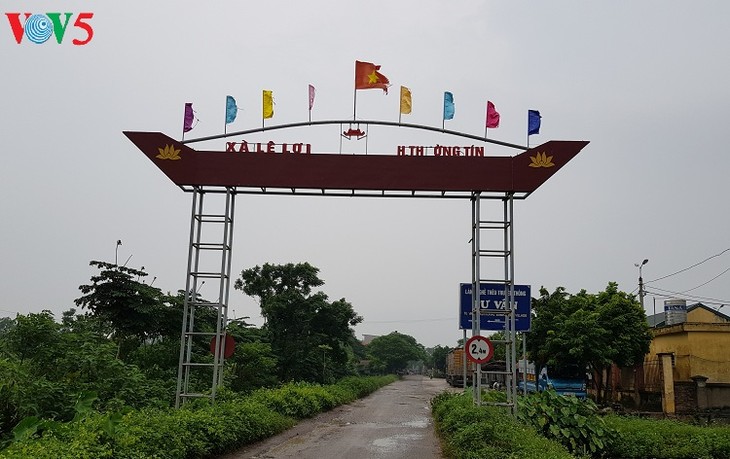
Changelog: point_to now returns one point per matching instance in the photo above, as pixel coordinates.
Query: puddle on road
(395, 442)
(418, 423)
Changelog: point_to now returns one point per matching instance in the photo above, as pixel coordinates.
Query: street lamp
(641, 281)
(116, 252)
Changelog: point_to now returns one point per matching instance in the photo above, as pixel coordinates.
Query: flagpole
(354, 106)
(354, 97)
(225, 117)
(486, 121)
(367, 131)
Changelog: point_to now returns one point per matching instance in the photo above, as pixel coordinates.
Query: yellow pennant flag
(405, 100)
(268, 104)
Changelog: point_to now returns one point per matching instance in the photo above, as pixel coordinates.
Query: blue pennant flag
(231, 109)
(533, 122)
(448, 106)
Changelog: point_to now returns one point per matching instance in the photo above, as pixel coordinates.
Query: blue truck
(565, 380)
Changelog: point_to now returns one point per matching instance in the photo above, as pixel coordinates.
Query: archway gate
(297, 170)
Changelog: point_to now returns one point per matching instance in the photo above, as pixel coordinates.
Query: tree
(35, 337)
(46, 366)
(438, 357)
(270, 280)
(253, 364)
(393, 351)
(128, 307)
(299, 320)
(130, 311)
(588, 330)
(6, 323)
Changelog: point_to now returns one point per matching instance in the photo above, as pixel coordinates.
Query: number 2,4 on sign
(479, 349)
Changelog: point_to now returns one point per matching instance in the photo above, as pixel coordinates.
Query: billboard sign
(491, 298)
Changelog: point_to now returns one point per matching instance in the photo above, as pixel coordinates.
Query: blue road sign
(491, 297)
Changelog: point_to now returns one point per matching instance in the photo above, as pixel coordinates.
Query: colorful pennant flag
(268, 111)
(311, 97)
(188, 118)
(448, 106)
(368, 77)
(492, 116)
(533, 122)
(231, 109)
(405, 100)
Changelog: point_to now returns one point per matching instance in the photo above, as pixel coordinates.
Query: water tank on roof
(675, 311)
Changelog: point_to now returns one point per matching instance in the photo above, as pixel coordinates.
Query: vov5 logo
(38, 28)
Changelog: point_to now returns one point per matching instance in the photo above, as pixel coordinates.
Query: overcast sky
(645, 82)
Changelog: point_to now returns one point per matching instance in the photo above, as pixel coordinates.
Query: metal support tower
(209, 259)
(485, 246)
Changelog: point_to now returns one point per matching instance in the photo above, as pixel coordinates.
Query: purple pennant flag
(188, 120)
(311, 97)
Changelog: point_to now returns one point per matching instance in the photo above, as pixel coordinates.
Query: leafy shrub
(197, 430)
(360, 387)
(85, 439)
(642, 438)
(304, 400)
(483, 432)
(293, 399)
(573, 422)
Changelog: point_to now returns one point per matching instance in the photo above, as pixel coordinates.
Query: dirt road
(394, 422)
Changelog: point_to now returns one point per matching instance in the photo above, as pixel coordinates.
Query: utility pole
(641, 281)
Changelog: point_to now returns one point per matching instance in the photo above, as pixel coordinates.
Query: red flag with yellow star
(368, 77)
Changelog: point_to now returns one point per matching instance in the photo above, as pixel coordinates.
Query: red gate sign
(479, 349)
(318, 171)
(229, 343)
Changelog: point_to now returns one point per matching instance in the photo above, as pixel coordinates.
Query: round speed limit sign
(479, 349)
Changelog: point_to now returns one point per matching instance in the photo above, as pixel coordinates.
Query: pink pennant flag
(311, 97)
(492, 116)
(189, 117)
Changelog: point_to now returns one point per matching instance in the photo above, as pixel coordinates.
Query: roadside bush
(298, 400)
(85, 439)
(473, 432)
(198, 430)
(303, 400)
(643, 438)
(361, 387)
(568, 420)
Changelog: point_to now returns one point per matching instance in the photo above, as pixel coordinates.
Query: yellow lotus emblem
(169, 152)
(541, 160)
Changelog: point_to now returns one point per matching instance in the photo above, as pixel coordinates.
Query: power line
(690, 267)
(408, 320)
(680, 295)
(701, 285)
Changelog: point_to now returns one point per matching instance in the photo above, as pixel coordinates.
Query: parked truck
(455, 368)
(565, 380)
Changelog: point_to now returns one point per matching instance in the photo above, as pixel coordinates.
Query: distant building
(366, 339)
(687, 367)
(688, 362)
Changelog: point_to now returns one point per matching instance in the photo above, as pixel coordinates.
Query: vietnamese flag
(368, 77)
